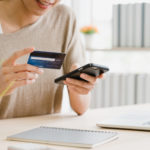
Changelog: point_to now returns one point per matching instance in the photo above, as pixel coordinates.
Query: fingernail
(36, 76)
(41, 70)
(68, 80)
(83, 75)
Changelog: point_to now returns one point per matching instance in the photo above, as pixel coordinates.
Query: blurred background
(116, 33)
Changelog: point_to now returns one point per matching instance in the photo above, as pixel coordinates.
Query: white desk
(128, 140)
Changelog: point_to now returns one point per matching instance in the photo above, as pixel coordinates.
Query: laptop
(136, 120)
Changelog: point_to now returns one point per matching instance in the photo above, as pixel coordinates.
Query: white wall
(82, 9)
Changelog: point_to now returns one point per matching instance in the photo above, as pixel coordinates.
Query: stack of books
(131, 25)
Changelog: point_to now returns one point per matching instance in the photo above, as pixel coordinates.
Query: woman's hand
(79, 91)
(81, 87)
(19, 74)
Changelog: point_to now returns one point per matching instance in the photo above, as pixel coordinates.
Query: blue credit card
(49, 60)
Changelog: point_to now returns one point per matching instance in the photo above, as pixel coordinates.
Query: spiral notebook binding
(81, 130)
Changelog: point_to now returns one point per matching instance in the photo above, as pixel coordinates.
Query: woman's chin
(36, 7)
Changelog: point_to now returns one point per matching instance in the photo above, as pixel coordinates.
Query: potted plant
(88, 32)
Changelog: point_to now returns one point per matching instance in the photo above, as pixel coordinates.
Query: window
(98, 13)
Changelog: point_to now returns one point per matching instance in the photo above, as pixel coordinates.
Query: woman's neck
(14, 16)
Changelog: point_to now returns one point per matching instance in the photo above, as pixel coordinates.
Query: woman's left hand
(81, 87)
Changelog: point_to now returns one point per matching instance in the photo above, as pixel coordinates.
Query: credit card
(48, 60)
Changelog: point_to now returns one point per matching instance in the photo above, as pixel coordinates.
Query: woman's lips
(43, 4)
(52, 1)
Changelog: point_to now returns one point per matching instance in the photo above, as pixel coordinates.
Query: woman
(48, 26)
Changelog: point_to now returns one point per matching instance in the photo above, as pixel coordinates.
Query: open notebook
(66, 137)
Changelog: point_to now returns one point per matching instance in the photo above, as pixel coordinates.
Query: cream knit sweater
(55, 31)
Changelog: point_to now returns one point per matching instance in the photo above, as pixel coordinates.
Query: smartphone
(90, 69)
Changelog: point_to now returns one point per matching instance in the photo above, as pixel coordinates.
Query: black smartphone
(90, 69)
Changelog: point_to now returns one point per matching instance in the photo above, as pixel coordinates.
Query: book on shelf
(147, 25)
(147, 88)
(123, 92)
(137, 37)
(106, 91)
(97, 95)
(130, 25)
(140, 88)
(130, 89)
(123, 25)
(116, 25)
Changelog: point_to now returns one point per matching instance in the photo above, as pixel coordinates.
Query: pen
(8, 87)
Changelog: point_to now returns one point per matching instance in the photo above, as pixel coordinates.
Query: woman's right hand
(19, 74)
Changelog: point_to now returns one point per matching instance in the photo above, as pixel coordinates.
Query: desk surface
(127, 139)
